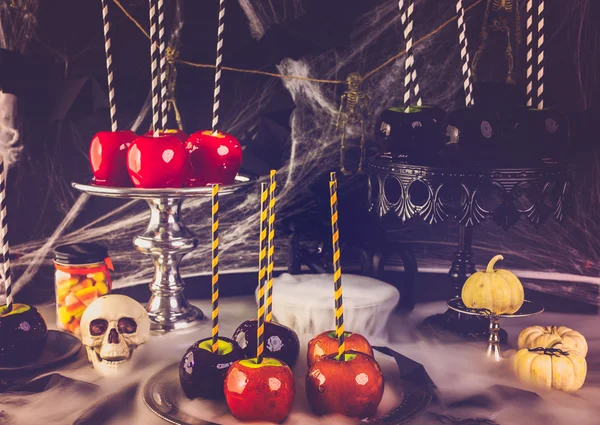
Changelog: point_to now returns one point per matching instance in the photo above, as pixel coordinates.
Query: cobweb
(572, 248)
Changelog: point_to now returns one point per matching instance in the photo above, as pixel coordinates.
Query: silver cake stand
(493, 351)
(166, 240)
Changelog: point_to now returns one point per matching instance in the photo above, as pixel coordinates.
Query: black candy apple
(23, 333)
(281, 342)
(202, 372)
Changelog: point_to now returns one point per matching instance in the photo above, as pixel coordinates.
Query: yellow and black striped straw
(262, 270)
(215, 267)
(337, 267)
(271, 246)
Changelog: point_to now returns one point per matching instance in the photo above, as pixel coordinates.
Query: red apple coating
(157, 162)
(260, 392)
(108, 157)
(353, 387)
(326, 343)
(202, 372)
(214, 158)
(170, 132)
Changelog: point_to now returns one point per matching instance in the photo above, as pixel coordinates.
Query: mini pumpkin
(499, 291)
(554, 366)
(540, 336)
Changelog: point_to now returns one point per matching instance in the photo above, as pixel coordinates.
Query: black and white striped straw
(464, 54)
(218, 65)
(410, 79)
(162, 64)
(540, 51)
(4, 236)
(109, 68)
(154, 68)
(529, 58)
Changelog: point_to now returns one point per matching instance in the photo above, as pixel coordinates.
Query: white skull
(112, 327)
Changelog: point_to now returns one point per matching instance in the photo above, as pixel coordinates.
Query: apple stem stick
(410, 79)
(218, 65)
(262, 265)
(271, 246)
(540, 59)
(4, 236)
(162, 64)
(464, 54)
(337, 267)
(109, 68)
(215, 267)
(154, 69)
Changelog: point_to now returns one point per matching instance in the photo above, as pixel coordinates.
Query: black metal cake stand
(469, 195)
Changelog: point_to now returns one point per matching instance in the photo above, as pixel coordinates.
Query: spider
(354, 109)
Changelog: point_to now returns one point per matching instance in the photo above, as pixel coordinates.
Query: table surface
(458, 369)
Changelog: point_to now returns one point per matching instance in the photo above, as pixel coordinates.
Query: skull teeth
(112, 360)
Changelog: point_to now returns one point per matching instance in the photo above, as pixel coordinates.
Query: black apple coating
(23, 334)
(281, 342)
(202, 372)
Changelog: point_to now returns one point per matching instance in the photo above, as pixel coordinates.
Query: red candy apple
(157, 162)
(326, 343)
(214, 158)
(352, 387)
(108, 157)
(260, 391)
(171, 132)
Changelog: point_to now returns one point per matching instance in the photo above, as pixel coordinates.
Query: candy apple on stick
(108, 157)
(260, 388)
(23, 330)
(346, 382)
(108, 149)
(281, 342)
(23, 333)
(204, 365)
(327, 343)
(157, 161)
(215, 157)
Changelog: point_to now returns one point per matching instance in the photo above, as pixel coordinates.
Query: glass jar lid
(80, 253)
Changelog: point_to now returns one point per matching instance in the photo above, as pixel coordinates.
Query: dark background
(61, 85)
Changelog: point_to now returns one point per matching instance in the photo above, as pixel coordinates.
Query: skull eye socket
(127, 325)
(98, 327)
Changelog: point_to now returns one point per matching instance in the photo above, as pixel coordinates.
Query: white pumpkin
(552, 367)
(541, 336)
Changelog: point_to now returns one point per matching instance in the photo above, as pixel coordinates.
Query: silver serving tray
(60, 347)
(163, 395)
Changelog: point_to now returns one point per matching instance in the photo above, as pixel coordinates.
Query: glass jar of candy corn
(81, 275)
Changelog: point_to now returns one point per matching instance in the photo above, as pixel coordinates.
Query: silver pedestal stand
(493, 351)
(166, 240)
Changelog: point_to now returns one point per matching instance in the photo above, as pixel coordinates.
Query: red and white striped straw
(4, 236)
(218, 65)
(109, 69)
(464, 54)
(154, 69)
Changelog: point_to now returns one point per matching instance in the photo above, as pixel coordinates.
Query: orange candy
(74, 292)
